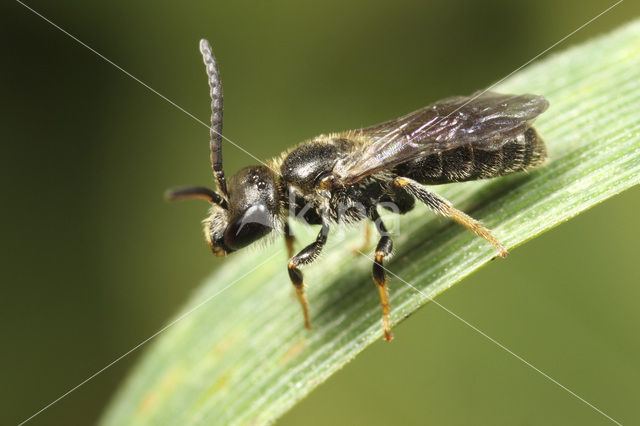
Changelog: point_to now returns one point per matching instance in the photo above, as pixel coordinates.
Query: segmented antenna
(215, 91)
(191, 192)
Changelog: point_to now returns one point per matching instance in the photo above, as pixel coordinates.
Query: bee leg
(306, 256)
(289, 239)
(444, 207)
(367, 240)
(383, 249)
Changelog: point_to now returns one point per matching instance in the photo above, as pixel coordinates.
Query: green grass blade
(242, 356)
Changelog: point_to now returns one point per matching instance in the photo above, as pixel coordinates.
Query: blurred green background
(94, 261)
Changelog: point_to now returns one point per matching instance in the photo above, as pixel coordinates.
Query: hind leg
(444, 207)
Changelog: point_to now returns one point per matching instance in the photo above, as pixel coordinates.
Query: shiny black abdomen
(471, 162)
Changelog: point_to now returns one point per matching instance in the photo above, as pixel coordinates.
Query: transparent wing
(485, 121)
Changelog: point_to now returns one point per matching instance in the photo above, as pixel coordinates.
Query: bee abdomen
(525, 152)
(471, 162)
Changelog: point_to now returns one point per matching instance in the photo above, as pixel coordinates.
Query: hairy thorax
(307, 171)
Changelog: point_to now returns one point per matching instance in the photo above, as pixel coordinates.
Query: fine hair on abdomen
(472, 161)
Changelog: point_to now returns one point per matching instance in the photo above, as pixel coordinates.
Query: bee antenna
(215, 131)
(192, 192)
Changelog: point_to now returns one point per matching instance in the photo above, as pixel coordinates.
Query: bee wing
(485, 121)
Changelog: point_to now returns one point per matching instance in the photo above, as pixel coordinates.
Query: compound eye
(252, 225)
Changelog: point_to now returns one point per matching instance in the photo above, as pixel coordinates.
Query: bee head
(252, 211)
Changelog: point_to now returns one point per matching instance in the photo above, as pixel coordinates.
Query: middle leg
(383, 250)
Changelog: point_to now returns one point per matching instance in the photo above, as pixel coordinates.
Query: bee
(341, 178)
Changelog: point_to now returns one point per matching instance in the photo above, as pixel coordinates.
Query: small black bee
(343, 177)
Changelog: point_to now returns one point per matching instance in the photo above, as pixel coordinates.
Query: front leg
(289, 239)
(367, 240)
(306, 256)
